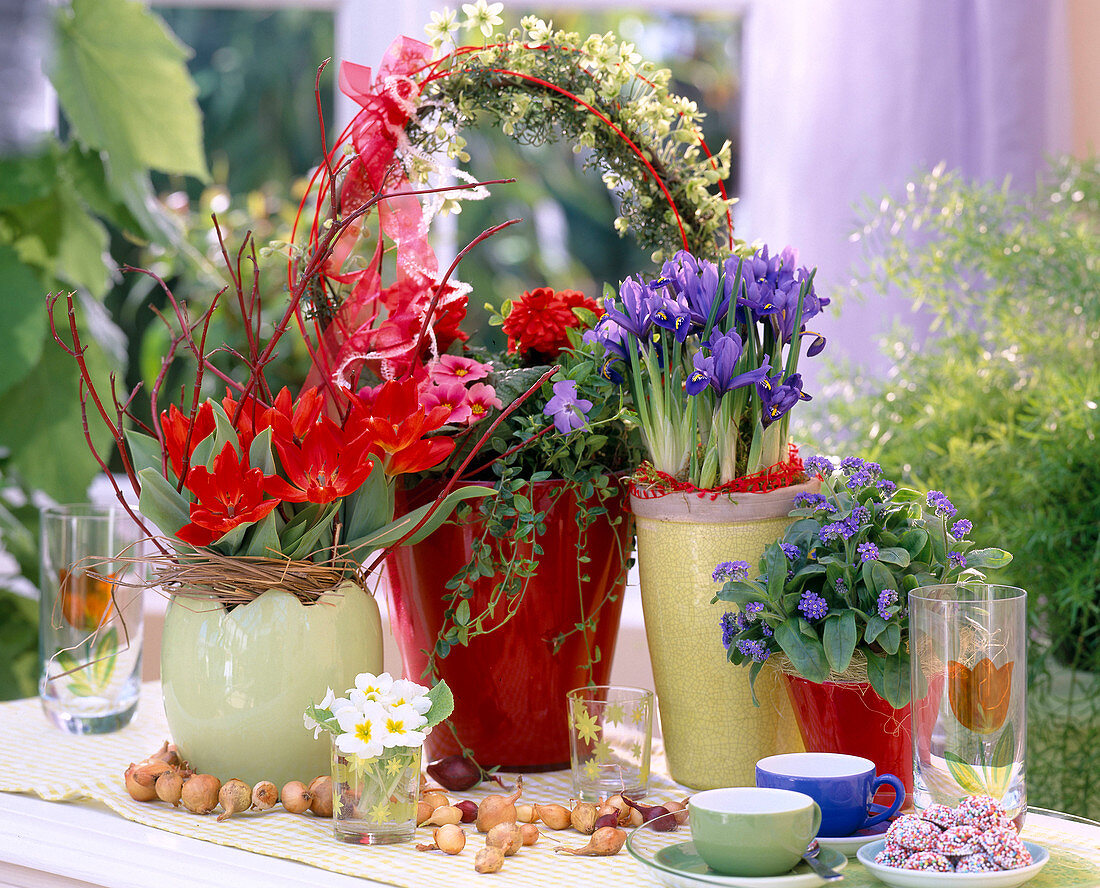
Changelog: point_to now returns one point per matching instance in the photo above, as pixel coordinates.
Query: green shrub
(1000, 409)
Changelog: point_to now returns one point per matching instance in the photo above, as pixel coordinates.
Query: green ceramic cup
(748, 831)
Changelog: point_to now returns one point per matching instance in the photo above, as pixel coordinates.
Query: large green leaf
(122, 81)
(443, 704)
(161, 503)
(395, 530)
(371, 506)
(992, 559)
(23, 307)
(839, 639)
(889, 676)
(26, 179)
(40, 423)
(805, 653)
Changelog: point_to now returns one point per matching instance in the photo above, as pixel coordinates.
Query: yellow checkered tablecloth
(37, 758)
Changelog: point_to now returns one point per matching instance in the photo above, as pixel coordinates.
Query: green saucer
(682, 859)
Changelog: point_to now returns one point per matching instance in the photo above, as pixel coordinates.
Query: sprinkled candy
(1005, 848)
(929, 861)
(913, 833)
(982, 811)
(941, 815)
(960, 841)
(894, 857)
(977, 863)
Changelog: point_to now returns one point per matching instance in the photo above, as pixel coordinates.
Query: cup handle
(817, 818)
(899, 798)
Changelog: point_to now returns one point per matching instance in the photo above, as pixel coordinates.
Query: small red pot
(510, 685)
(850, 717)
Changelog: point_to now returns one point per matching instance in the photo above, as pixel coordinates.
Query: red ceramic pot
(510, 685)
(850, 717)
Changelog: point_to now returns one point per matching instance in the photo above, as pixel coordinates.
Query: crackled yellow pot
(236, 683)
(713, 733)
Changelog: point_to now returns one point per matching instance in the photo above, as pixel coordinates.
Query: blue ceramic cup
(842, 785)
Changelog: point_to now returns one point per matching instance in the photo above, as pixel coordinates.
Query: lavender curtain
(848, 99)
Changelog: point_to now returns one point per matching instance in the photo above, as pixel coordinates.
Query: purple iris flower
(776, 398)
(612, 339)
(697, 283)
(719, 369)
(635, 317)
(671, 314)
(567, 409)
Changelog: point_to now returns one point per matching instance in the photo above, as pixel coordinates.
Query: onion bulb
(604, 842)
(295, 797)
(529, 832)
(583, 817)
(234, 796)
(506, 837)
(169, 786)
(200, 793)
(321, 790)
(554, 816)
(138, 792)
(264, 795)
(489, 860)
(449, 839)
(496, 809)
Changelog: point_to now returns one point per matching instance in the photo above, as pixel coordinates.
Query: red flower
(250, 421)
(231, 495)
(290, 418)
(396, 425)
(323, 466)
(539, 319)
(175, 426)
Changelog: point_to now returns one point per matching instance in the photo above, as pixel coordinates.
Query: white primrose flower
(399, 727)
(363, 731)
(409, 693)
(371, 687)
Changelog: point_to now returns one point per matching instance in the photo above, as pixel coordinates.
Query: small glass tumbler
(90, 617)
(968, 649)
(610, 729)
(374, 798)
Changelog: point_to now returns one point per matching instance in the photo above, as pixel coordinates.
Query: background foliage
(1000, 411)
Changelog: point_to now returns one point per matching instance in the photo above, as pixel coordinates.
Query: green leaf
(145, 452)
(889, 676)
(122, 81)
(263, 540)
(875, 627)
(890, 638)
(740, 593)
(27, 179)
(878, 577)
(991, 559)
(775, 562)
(82, 246)
(259, 453)
(839, 639)
(805, 653)
(41, 426)
(462, 613)
(23, 307)
(312, 535)
(443, 703)
(230, 542)
(1004, 751)
(393, 531)
(161, 503)
(896, 556)
(371, 506)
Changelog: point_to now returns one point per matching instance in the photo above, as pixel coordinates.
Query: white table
(47, 844)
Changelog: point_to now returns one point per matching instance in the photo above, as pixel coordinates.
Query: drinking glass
(374, 797)
(610, 732)
(968, 647)
(90, 617)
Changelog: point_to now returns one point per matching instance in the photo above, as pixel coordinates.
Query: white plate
(689, 871)
(849, 845)
(902, 878)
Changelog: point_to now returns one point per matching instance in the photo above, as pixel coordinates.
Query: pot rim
(691, 508)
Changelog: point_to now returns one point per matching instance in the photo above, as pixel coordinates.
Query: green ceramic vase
(237, 683)
(713, 733)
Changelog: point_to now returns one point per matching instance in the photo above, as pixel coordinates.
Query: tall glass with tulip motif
(968, 648)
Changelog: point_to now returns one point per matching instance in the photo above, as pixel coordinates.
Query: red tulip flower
(175, 425)
(323, 465)
(980, 696)
(231, 494)
(396, 425)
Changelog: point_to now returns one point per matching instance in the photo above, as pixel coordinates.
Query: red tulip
(175, 426)
(230, 495)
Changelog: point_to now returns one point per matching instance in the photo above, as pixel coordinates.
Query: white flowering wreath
(538, 85)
